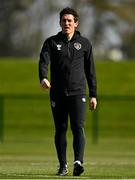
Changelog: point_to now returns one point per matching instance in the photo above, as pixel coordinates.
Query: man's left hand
(93, 103)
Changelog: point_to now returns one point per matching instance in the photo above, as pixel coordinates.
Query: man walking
(71, 65)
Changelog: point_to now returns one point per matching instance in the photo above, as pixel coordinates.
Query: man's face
(68, 24)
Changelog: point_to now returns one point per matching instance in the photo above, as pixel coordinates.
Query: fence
(96, 114)
(108, 98)
(12, 97)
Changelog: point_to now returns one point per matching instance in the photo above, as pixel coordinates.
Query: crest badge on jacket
(77, 46)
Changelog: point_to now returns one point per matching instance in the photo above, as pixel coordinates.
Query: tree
(123, 19)
(26, 23)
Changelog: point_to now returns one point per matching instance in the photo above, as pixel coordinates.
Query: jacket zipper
(69, 56)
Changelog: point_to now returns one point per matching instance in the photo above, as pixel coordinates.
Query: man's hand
(93, 103)
(45, 84)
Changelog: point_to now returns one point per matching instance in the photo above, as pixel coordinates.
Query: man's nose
(66, 23)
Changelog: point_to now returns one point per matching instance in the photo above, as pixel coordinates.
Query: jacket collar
(63, 37)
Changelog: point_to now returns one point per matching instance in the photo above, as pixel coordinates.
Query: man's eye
(69, 21)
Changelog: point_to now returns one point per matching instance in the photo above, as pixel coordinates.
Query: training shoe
(78, 169)
(62, 171)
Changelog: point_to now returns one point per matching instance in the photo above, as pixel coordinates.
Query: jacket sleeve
(44, 60)
(90, 71)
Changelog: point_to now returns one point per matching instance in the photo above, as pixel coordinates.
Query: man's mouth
(66, 28)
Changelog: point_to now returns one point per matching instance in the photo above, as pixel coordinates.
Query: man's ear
(76, 24)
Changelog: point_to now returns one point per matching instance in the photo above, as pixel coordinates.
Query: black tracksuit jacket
(71, 64)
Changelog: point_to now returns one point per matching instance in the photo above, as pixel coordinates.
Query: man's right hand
(45, 84)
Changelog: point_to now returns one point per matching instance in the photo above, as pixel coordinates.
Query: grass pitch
(28, 150)
(106, 160)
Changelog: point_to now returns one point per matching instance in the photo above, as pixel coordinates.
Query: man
(71, 64)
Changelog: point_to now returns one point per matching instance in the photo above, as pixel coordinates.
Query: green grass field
(27, 150)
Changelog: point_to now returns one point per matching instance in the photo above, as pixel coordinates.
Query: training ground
(26, 126)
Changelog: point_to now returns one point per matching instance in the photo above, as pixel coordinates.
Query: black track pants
(74, 107)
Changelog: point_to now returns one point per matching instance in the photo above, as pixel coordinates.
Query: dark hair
(68, 10)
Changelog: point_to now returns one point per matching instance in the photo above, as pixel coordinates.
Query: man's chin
(66, 31)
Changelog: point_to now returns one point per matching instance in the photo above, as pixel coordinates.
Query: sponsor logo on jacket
(59, 47)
